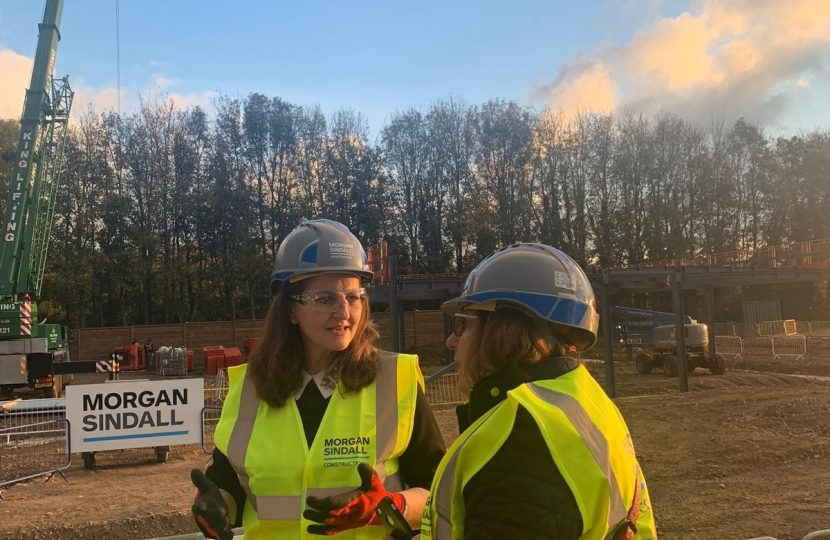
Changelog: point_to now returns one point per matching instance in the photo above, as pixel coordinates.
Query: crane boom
(38, 162)
(34, 354)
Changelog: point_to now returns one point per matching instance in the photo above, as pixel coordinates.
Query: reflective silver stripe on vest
(289, 507)
(386, 416)
(442, 527)
(594, 440)
(241, 434)
(588, 431)
(279, 508)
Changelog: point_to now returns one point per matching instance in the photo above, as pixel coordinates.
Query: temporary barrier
(233, 356)
(776, 328)
(724, 329)
(442, 387)
(819, 327)
(108, 366)
(757, 346)
(731, 347)
(33, 439)
(745, 329)
(789, 346)
(210, 417)
(770, 328)
(216, 388)
(130, 362)
(214, 359)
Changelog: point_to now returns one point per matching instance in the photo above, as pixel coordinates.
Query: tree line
(171, 214)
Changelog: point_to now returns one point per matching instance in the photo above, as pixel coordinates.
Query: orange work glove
(352, 509)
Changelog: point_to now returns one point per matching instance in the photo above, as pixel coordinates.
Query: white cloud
(17, 73)
(99, 98)
(162, 82)
(194, 99)
(584, 85)
(733, 57)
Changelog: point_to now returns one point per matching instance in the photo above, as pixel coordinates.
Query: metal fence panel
(33, 449)
(789, 346)
(216, 388)
(210, 417)
(757, 346)
(819, 327)
(730, 346)
(724, 329)
(761, 310)
(745, 329)
(770, 328)
(443, 390)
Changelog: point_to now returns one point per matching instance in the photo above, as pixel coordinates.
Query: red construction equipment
(131, 358)
(214, 359)
(233, 357)
(248, 345)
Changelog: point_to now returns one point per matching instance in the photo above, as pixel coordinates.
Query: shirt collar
(320, 380)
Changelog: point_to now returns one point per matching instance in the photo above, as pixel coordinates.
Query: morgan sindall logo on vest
(346, 451)
(341, 250)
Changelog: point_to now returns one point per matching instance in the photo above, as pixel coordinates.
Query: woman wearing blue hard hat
(543, 452)
(320, 425)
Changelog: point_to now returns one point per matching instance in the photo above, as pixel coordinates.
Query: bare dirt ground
(740, 455)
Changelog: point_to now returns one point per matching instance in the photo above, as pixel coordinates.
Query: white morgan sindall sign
(134, 414)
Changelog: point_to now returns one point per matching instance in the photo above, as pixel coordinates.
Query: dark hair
(506, 339)
(277, 361)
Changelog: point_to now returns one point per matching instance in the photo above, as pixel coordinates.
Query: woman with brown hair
(320, 425)
(543, 452)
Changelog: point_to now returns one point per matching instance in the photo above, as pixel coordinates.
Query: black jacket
(520, 492)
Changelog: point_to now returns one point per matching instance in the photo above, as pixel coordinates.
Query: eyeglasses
(459, 322)
(330, 300)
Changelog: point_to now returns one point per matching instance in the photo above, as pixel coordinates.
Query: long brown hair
(276, 363)
(505, 340)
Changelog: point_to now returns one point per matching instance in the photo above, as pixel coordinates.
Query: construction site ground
(740, 455)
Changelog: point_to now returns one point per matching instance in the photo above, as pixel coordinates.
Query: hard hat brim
(561, 310)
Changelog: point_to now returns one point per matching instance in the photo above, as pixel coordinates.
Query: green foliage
(169, 215)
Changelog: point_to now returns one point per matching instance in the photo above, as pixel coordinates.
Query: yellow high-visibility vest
(277, 469)
(587, 438)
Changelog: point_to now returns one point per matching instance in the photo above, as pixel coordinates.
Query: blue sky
(693, 57)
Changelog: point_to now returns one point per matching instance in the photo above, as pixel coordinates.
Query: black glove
(209, 508)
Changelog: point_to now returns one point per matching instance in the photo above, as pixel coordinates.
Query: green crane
(27, 348)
